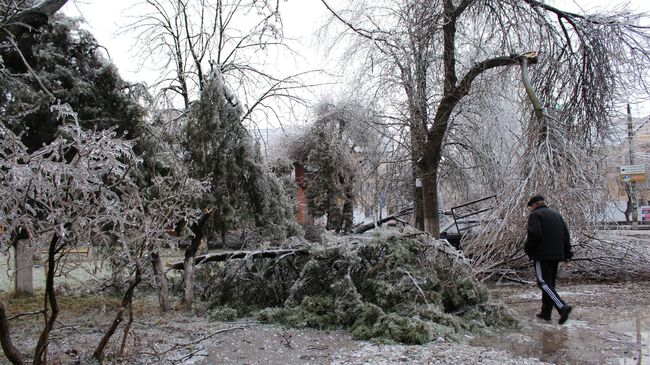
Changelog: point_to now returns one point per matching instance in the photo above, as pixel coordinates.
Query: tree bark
(127, 329)
(119, 316)
(348, 208)
(198, 229)
(161, 282)
(24, 276)
(40, 352)
(332, 211)
(31, 18)
(188, 293)
(418, 210)
(430, 206)
(415, 85)
(11, 352)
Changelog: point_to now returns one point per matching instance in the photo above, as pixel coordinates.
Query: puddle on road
(577, 342)
(549, 345)
(639, 329)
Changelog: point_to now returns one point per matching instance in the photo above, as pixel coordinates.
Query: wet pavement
(597, 333)
(639, 329)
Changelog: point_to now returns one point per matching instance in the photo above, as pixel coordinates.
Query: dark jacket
(548, 236)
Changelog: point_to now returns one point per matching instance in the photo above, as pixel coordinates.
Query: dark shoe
(564, 314)
(546, 317)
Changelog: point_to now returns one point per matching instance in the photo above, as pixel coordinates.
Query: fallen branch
(417, 286)
(183, 359)
(25, 314)
(192, 343)
(224, 256)
(379, 222)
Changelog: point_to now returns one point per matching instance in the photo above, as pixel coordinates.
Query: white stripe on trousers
(545, 287)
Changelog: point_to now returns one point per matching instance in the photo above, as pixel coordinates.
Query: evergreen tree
(63, 63)
(219, 146)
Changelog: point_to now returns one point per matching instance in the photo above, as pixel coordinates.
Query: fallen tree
(223, 256)
(565, 164)
(366, 227)
(403, 287)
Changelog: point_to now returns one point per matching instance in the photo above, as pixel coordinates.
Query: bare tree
(199, 36)
(436, 50)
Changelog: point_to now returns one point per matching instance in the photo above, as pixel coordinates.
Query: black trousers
(546, 272)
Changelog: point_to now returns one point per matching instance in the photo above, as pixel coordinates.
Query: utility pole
(630, 138)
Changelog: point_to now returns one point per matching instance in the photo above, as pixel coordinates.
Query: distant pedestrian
(547, 244)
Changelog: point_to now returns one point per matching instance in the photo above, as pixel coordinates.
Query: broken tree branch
(379, 222)
(223, 256)
(30, 18)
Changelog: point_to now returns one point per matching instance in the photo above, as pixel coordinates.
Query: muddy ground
(609, 325)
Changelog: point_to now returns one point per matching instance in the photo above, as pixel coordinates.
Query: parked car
(454, 231)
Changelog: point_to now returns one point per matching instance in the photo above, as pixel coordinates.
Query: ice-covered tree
(61, 194)
(63, 62)
(427, 57)
(192, 37)
(333, 150)
(18, 17)
(219, 146)
(243, 191)
(77, 191)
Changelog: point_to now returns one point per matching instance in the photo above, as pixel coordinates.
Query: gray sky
(300, 19)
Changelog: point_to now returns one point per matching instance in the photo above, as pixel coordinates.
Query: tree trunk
(11, 352)
(127, 330)
(119, 316)
(418, 210)
(24, 277)
(198, 229)
(40, 352)
(348, 208)
(415, 89)
(161, 282)
(332, 214)
(188, 293)
(430, 198)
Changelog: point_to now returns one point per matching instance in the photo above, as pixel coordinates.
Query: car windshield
(464, 227)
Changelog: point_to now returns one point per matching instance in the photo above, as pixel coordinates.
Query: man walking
(547, 244)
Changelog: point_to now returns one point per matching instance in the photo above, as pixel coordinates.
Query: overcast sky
(105, 18)
(300, 19)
